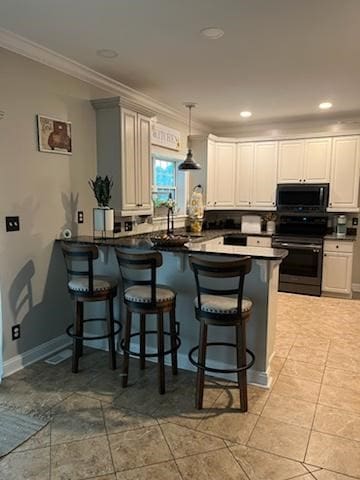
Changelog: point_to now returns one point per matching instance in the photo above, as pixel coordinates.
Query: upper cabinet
(244, 174)
(264, 179)
(124, 153)
(304, 161)
(225, 158)
(344, 183)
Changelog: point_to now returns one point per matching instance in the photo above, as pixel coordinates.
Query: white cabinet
(264, 176)
(244, 175)
(124, 153)
(257, 241)
(225, 157)
(344, 183)
(304, 161)
(337, 267)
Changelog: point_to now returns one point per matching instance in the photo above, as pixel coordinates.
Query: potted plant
(270, 219)
(103, 214)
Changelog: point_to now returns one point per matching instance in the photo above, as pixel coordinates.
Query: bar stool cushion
(222, 304)
(81, 284)
(142, 294)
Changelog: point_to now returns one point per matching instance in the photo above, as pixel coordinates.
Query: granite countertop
(333, 236)
(197, 244)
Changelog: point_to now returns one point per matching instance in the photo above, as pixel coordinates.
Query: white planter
(270, 227)
(103, 219)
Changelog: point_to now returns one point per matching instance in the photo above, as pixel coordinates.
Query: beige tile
(234, 426)
(295, 387)
(137, 448)
(259, 465)
(326, 475)
(343, 359)
(334, 453)
(311, 468)
(161, 471)
(319, 343)
(121, 419)
(79, 460)
(280, 438)
(307, 476)
(308, 355)
(276, 365)
(230, 399)
(337, 422)
(211, 466)
(39, 440)
(342, 379)
(306, 371)
(184, 441)
(29, 465)
(77, 418)
(105, 477)
(340, 398)
(289, 410)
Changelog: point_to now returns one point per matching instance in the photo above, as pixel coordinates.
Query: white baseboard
(356, 287)
(35, 354)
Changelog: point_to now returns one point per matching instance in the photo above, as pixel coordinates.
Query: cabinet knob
(304, 180)
(337, 246)
(330, 204)
(273, 203)
(249, 203)
(325, 254)
(214, 203)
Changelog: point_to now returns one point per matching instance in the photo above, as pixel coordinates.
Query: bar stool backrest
(235, 269)
(129, 262)
(75, 257)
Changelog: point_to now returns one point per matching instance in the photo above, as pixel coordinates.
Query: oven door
(303, 264)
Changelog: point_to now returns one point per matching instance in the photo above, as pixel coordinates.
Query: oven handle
(297, 246)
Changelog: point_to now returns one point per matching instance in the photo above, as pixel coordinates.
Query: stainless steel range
(302, 236)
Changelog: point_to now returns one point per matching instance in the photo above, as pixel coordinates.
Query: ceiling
(278, 58)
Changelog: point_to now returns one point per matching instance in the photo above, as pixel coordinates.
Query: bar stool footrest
(70, 328)
(220, 370)
(150, 355)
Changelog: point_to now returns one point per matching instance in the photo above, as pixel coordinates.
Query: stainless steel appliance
(300, 198)
(302, 236)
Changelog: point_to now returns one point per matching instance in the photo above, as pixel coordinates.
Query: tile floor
(306, 427)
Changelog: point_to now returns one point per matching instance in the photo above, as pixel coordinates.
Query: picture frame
(54, 135)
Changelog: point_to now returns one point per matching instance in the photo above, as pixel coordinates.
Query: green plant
(270, 217)
(101, 188)
(169, 203)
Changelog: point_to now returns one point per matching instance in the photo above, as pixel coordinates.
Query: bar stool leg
(200, 377)
(161, 357)
(142, 341)
(77, 343)
(127, 332)
(110, 319)
(241, 362)
(173, 342)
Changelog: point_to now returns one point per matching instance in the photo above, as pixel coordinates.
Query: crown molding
(27, 48)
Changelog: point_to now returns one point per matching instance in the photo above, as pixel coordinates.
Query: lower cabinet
(257, 241)
(337, 267)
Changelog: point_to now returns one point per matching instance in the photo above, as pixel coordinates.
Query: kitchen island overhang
(261, 286)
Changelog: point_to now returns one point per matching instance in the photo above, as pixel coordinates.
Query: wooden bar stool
(222, 307)
(83, 287)
(146, 297)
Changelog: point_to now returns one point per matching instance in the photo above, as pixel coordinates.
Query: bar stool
(222, 307)
(83, 287)
(147, 297)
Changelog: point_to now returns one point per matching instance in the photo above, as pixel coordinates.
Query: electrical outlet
(117, 227)
(80, 216)
(128, 226)
(15, 332)
(355, 221)
(12, 224)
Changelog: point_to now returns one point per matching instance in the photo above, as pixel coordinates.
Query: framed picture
(54, 135)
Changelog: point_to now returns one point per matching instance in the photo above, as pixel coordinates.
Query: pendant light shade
(189, 163)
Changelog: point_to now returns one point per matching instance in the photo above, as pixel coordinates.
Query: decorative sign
(165, 137)
(54, 135)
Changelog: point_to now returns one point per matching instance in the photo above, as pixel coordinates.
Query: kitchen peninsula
(261, 285)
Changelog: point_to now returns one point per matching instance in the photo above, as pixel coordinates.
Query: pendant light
(189, 163)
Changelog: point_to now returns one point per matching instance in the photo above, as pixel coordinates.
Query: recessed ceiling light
(106, 53)
(212, 33)
(245, 114)
(325, 105)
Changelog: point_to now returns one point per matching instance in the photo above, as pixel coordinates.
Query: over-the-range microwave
(302, 198)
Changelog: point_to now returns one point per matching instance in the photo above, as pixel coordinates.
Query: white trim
(41, 54)
(35, 354)
(356, 287)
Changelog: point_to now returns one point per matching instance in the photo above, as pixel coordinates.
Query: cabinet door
(291, 161)
(128, 161)
(143, 170)
(210, 170)
(317, 160)
(244, 174)
(344, 184)
(337, 272)
(225, 155)
(265, 174)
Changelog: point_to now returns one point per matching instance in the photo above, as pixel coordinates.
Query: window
(164, 179)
